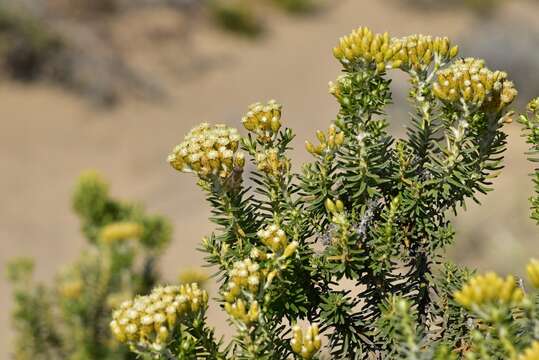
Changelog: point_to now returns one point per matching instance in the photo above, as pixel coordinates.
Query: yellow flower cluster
(208, 150)
(531, 353)
(306, 342)
(363, 44)
(470, 81)
(245, 276)
(533, 272)
(489, 289)
(263, 119)
(271, 162)
(121, 231)
(332, 141)
(273, 237)
(419, 51)
(149, 321)
(411, 52)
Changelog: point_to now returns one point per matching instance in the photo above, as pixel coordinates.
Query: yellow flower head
(263, 119)
(365, 47)
(121, 231)
(470, 81)
(148, 321)
(418, 52)
(306, 342)
(208, 150)
(533, 272)
(531, 353)
(489, 289)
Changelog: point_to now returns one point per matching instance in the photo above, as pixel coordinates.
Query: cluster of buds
(208, 150)
(263, 119)
(245, 276)
(363, 45)
(489, 289)
(533, 272)
(412, 52)
(328, 142)
(271, 162)
(148, 322)
(470, 81)
(306, 342)
(120, 231)
(275, 238)
(419, 51)
(531, 353)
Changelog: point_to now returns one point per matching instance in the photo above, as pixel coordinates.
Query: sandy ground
(47, 137)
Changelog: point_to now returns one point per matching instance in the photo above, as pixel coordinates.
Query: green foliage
(70, 319)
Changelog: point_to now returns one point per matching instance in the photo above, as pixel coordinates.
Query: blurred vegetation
(69, 319)
(71, 42)
(480, 7)
(29, 49)
(237, 16)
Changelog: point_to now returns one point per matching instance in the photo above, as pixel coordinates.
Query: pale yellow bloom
(208, 150)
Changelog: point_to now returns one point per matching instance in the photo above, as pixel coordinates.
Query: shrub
(369, 210)
(69, 320)
(28, 47)
(236, 16)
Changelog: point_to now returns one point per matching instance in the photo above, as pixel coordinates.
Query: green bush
(70, 319)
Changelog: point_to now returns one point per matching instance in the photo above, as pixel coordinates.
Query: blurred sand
(47, 137)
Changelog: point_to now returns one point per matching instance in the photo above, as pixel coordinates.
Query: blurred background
(113, 85)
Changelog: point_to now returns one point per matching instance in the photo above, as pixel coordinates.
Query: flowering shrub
(369, 209)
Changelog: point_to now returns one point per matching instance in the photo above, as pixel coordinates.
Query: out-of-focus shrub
(297, 6)
(29, 48)
(70, 319)
(236, 16)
